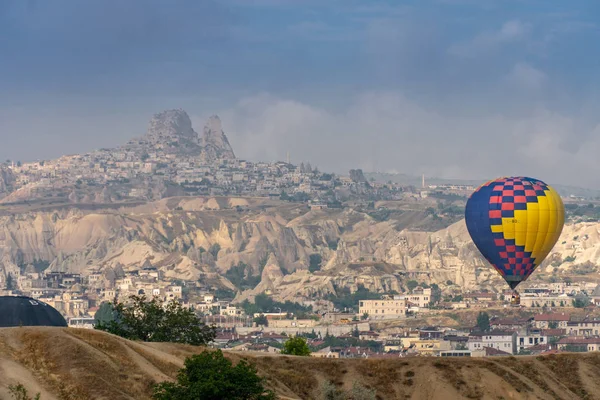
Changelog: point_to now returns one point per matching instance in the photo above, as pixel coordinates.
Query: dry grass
(83, 364)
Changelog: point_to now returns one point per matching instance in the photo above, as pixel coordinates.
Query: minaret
(288, 157)
(423, 181)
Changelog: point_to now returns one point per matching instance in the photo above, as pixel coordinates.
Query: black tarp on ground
(25, 311)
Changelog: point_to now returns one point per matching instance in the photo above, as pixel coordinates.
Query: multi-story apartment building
(384, 308)
(500, 340)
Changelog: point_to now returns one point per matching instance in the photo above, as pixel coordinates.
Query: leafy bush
(296, 346)
(263, 304)
(411, 285)
(210, 376)
(346, 299)
(150, 321)
(240, 275)
(18, 392)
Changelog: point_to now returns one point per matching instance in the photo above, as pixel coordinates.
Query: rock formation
(172, 131)
(186, 240)
(214, 142)
(357, 175)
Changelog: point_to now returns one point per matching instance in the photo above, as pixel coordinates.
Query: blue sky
(453, 88)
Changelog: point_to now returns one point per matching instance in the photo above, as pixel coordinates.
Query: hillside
(102, 366)
(201, 238)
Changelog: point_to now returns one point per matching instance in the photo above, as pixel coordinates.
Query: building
(543, 321)
(499, 340)
(506, 324)
(587, 327)
(82, 322)
(579, 344)
(325, 353)
(426, 347)
(530, 339)
(420, 297)
(383, 309)
(337, 318)
(537, 301)
(455, 353)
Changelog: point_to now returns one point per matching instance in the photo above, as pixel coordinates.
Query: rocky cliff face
(214, 142)
(171, 130)
(7, 180)
(188, 239)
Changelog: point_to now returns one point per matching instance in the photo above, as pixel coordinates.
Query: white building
(500, 340)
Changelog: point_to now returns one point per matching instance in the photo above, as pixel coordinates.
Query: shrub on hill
(296, 346)
(210, 376)
(151, 321)
(18, 392)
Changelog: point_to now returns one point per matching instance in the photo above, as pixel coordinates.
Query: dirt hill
(65, 363)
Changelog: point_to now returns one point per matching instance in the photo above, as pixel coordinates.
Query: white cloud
(386, 131)
(526, 76)
(510, 32)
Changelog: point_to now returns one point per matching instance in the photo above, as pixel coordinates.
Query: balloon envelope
(515, 222)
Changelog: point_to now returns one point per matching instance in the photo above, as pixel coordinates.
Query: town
(157, 166)
(545, 321)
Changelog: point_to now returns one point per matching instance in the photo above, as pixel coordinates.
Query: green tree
(436, 294)
(553, 325)
(483, 321)
(210, 376)
(296, 346)
(581, 302)
(151, 321)
(10, 283)
(105, 314)
(411, 285)
(261, 320)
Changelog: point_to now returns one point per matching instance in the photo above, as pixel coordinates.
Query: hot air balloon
(515, 222)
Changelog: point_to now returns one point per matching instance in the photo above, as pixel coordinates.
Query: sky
(470, 89)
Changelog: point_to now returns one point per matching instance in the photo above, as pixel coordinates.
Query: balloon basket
(515, 299)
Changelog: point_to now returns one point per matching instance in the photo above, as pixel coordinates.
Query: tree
(436, 294)
(151, 321)
(552, 324)
(581, 302)
(261, 320)
(105, 314)
(411, 285)
(296, 346)
(210, 376)
(483, 321)
(10, 283)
